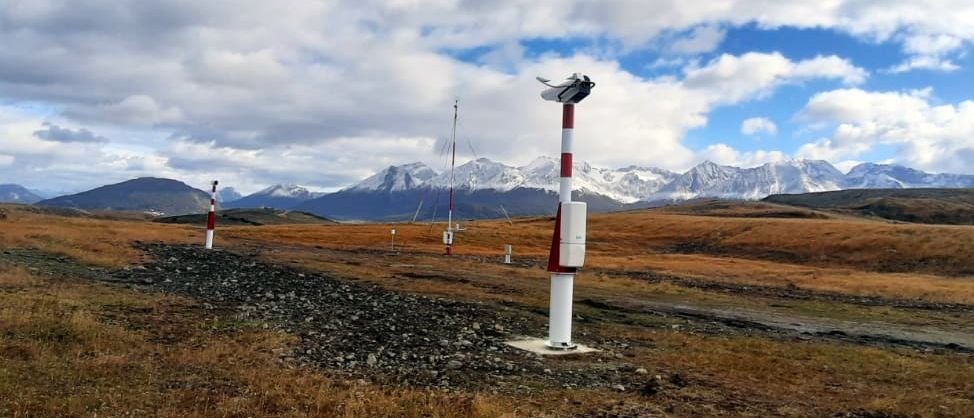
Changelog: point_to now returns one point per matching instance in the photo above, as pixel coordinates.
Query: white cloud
(757, 125)
(924, 62)
(929, 52)
(724, 154)
(732, 78)
(927, 136)
(6, 160)
(701, 39)
(296, 84)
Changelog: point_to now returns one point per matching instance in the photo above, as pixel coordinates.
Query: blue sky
(325, 94)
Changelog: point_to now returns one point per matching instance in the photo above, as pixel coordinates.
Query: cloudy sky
(324, 93)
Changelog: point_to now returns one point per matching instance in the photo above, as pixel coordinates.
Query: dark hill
(929, 206)
(477, 204)
(237, 217)
(146, 194)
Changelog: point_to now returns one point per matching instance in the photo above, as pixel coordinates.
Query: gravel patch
(367, 332)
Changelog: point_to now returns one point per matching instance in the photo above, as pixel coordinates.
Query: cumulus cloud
(925, 135)
(64, 165)
(924, 62)
(757, 125)
(730, 78)
(929, 52)
(248, 82)
(724, 154)
(701, 39)
(52, 132)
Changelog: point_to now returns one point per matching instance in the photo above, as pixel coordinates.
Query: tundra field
(698, 310)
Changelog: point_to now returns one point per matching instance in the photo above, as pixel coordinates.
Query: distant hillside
(148, 194)
(477, 204)
(280, 196)
(930, 206)
(15, 193)
(237, 217)
(742, 209)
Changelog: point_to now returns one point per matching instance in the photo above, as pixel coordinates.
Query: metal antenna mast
(448, 234)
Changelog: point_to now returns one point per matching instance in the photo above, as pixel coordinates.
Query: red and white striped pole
(211, 218)
(562, 278)
(568, 241)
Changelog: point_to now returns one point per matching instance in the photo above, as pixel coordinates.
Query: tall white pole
(211, 218)
(562, 278)
(448, 236)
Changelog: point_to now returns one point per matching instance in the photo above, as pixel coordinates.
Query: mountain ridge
(280, 196)
(156, 196)
(406, 191)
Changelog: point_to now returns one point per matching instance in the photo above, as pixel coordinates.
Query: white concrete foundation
(540, 346)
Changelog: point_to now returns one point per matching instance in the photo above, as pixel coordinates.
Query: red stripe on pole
(566, 164)
(568, 116)
(210, 221)
(554, 262)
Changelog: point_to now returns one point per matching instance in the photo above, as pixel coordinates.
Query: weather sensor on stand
(568, 241)
(211, 217)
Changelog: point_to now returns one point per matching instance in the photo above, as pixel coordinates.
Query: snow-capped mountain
(627, 185)
(481, 174)
(792, 176)
(281, 196)
(889, 176)
(488, 188)
(227, 194)
(285, 190)
(397, 178)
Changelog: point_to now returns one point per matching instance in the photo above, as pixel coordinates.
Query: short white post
(507, 253)
(392, 246)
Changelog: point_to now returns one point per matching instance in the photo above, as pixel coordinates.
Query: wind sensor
(574, 89)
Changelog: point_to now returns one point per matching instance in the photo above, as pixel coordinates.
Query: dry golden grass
(96, 241)
(847, 250)
(823, 279)
(835, 255)
(878, 246)
(73, 349)
(783, 378)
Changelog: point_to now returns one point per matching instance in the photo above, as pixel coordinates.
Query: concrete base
(538, 346)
